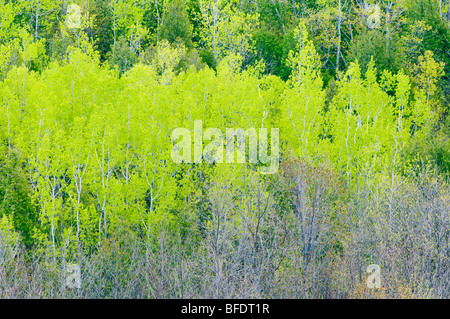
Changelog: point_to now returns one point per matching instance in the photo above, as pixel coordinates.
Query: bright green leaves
(359, 118)
(21, 51)
(127, 19)
(306, 61)
(167, 57)
(371, 120)
(96, 147)
(16, 208)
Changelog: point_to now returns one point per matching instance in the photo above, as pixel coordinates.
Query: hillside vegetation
(91, 92)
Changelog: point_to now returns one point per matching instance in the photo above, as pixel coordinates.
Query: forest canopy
(91, 91)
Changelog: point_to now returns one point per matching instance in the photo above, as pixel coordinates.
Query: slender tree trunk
(338, 53)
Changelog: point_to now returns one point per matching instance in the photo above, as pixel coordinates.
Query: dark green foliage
(176, 25)
(208, 58)
(15, 196)
(386, 52)
(435, 151)
(102, 32)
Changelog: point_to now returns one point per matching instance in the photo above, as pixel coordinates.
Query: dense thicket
(89, 97)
